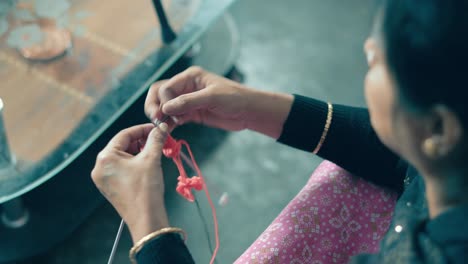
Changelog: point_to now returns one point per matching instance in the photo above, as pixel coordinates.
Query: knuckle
(153, 87)
(195, 70)
(96, 175)
(165, 92)
(156, 85)
(103, 158)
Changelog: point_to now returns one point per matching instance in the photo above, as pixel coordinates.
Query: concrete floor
(311, 47)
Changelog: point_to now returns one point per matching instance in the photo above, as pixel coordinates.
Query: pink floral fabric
(334, 217)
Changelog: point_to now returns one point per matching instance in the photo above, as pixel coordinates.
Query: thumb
(187, 103)
(156, 139)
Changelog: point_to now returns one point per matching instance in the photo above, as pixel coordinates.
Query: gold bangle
(325, 129)
(140, 244)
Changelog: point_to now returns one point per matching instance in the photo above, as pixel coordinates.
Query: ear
(444, 133)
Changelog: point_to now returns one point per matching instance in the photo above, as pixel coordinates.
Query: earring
(431, 147)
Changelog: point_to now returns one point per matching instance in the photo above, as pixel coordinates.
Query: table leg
(6, 159)
(14, 214)
(168, 34)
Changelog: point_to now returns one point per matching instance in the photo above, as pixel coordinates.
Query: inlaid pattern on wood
(44, 102)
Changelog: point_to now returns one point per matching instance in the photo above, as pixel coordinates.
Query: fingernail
(175, 119)
(163, 127)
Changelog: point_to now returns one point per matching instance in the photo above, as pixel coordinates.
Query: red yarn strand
(172, 149)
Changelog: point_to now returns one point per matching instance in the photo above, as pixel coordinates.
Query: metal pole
(13, 214)
(6, 159)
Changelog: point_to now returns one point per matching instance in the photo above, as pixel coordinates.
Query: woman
(413, 135)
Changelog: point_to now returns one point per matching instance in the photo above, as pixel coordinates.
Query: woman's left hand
(133, 183)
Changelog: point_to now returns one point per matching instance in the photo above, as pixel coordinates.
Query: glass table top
(69, 69)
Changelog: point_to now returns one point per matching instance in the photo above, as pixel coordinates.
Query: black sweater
(352, 144)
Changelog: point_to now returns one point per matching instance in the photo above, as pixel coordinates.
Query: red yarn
(185, 185)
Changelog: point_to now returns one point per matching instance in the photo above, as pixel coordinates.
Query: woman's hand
(196, 95)
(133, 183)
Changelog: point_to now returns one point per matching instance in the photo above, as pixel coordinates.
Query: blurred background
(308, 47)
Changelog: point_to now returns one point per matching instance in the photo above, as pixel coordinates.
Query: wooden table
(45, 102)
(58, 114)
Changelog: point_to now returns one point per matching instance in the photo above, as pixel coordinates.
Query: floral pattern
(334, 217)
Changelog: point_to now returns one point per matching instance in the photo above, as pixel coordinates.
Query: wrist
(267, 112)
(148, 223)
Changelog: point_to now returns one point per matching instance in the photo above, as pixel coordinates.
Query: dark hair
(426, 45)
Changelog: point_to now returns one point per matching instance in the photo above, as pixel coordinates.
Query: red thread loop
(171, 149)
(185, 186)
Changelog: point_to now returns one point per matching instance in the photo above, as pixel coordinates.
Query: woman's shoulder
(413, 238)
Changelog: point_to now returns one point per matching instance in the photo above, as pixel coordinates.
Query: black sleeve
(351, 141)
(167, 248)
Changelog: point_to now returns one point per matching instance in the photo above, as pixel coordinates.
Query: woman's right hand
(196, 95)
(199, 96)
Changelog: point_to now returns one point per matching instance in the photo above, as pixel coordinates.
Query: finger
(172, 123)
(135, 147)
(187, 103)
(155, 141)
(103, 165)
(184, 82)
(124, 139)
(152, 102)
